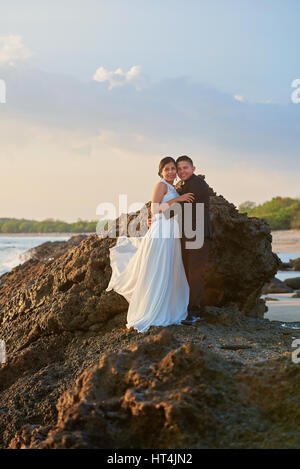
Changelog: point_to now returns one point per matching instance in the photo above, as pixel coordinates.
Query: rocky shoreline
(77, 378)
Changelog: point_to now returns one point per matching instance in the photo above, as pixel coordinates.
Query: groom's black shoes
(192, 317)
(190, 320)
(199, 312)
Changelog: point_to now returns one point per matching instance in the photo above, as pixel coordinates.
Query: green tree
(245, 206)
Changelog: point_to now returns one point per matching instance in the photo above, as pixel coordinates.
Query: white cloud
(12, 50)
(119, 78)
(240, 98)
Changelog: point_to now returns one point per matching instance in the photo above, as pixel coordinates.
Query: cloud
(12, 50)
(171, 115)
(119, 78)
(240, 98)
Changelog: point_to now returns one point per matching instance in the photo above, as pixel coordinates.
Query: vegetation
(14, 225)
(282, 213)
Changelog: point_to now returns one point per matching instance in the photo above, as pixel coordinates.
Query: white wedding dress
(148, 271)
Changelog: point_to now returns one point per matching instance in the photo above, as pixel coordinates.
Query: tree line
(281, 213)
(49, 225)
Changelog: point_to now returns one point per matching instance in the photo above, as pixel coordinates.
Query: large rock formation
(58, 321)
(241, 259)
(180, 389)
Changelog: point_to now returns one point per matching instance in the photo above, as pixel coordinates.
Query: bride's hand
(189, 197)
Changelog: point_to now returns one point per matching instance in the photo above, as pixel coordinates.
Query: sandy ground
(286, 241)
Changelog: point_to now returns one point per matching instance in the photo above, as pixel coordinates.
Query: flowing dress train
(149, 272)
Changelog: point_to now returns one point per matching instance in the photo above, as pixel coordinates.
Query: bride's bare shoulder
(161, 187)
(159, 191)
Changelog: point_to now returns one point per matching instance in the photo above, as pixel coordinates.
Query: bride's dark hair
(163, 162)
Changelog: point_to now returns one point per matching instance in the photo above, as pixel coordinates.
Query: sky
(97, 92)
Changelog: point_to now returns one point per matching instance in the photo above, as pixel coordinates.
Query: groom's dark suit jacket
(200, 189)
(195, 260)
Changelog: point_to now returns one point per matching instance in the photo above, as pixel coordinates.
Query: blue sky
(211, 79)
(248, 47)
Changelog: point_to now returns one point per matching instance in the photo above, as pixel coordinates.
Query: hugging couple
(160, 276)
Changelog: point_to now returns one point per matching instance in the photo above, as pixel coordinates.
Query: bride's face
(169, 172)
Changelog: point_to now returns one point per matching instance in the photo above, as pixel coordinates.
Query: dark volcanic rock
(295, 263)
(276, 286)
(293, 282)
(67, 343)
(296, 295)
(51, 249)
(241, 260)
(285, 266)
(188, 396)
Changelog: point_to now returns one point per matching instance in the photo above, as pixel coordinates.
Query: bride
(148, 271)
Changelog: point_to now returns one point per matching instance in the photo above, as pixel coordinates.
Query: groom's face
(185, 170)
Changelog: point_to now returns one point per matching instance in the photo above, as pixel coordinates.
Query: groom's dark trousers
(195, 260)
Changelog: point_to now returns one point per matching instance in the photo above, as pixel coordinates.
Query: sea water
(284, 307)
(12, 248)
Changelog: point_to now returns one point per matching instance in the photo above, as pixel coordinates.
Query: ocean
(285, 308)
(12, 248)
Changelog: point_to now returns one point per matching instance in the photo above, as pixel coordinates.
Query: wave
(10, 258)
(13, 251)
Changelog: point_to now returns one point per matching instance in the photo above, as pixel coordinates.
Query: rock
(241, 258)
(50, 250)
(217, 315)
(276, 286)
(77, 377)
(240, 247)
(296, 295)
(236, 346)
(285, 266)
(293, 282)
(295, 263)
(190, 397)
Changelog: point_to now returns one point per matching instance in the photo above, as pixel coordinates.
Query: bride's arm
(156, 206)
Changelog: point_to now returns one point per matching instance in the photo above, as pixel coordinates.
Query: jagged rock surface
(241, 260)
(164, 393)
(58, 321)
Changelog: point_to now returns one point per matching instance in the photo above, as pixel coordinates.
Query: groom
(194, 260)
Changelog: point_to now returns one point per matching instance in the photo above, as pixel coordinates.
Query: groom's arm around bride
(195, 260)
